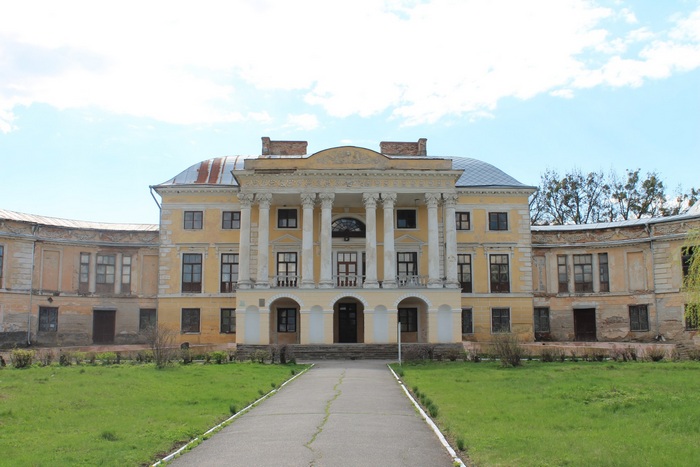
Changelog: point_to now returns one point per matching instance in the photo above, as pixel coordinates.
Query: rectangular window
(229, 272)
(126, 274)
(105, 273)
(407, 267)
(639, 318)
(48, 319)
(462, 220)
(500, 277)
(190, 320)
(193, 220)
(286, 269)
(563, 274)
(192, 272)
(498, 221)
(231, 220)
(467, 321)
(604, 272)
(406, 219)
(2, 257)
(84, 268)
(686, 257)
(583, 273)
(286, 320)
(147, 319)
(408, 317)
(541, 319)
(286, 218)
(500, 320)
(692, 318)
(228, 320)
(464, 272)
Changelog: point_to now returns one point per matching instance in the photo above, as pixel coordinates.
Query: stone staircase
(346, 351)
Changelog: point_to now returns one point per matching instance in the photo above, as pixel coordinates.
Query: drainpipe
(658, 336)
(35, 228)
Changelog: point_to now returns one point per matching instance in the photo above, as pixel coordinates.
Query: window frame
(460, 221)
(48, 319)
(403, 223)
(498, 321)
(563, 273)
(2, 262)
(147, 317)
(232, 223)
(228, 327)
(637, 324)
(194, 318)
(466, 286)
(228, 286)
(581, 270)
(284, 277)
(604, 272)
(127, 262)
(540, 315)
(467, 321)
(284, 221)
(284, 323)
(498, 221)
(408, 317)
(498, 286)
(413, 261)
(195, 221)
(191, 286)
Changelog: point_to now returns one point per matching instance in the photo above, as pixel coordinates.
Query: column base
(370, 284)
(245, 285)
(262, 285)
(308, 285)
(453, 285)
(391, 284)
(326, 285)
(434, 284)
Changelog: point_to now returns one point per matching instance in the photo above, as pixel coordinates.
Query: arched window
(347, 227)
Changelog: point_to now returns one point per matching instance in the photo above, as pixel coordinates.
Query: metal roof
(73, 224)
(480, 173)
(691, 214)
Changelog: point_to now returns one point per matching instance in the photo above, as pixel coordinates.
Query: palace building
(347, 245)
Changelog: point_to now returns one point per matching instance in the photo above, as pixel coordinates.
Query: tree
(691, 279)
(161, 339)
(638, 198)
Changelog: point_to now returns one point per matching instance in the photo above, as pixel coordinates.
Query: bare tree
(161, 339)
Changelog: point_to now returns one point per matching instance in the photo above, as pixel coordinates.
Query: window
(229, 272)
(639, 318)
(686, 257)
(192, 272)
(406, 267)
(286, 269)
(193, 220)
(462, 219)
(541, 319)
(406, 219)
(286, 218)
(126, 274)
(228, 320)
(286, 320)
(231, 220)
(500, 280)
(467, 321)
(500, 320)
(84, 272)
(563, 274)
(2, 256)
(692, 317)
(498, 221)
(347, 227)
(408, 317)
(464, 272)
(190, 320)
(48, 319)
(105, 272)
(604, 273)
(583, 273)
(147, 319)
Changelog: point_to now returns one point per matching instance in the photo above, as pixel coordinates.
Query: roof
(691, 214)
(73, 224)
(218, 171)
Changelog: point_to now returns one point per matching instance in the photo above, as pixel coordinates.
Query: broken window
(639, 318)
(541, 319)
(105, 273)
(147, 318)
(48, 319)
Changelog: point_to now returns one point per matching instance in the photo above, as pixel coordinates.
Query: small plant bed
(120, 414)
(570, 413)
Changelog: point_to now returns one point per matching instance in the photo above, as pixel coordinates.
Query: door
(347, 322)
(103, 326)
(347, 269)
(584, 324)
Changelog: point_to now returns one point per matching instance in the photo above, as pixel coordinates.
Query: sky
(101, 100)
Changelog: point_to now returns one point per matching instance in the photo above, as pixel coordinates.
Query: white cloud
(419, 62)
(302, 122)
(564, 93)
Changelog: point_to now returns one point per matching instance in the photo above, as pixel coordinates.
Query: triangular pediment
(406, 239)
(286, 239)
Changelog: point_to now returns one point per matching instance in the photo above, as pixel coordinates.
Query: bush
(64, 359)
(598, 355)
(107, 358)
(694, 354)
(260, 356)
(22, 358)
(454, 354)
(461, 445)
(45, 357)
(655, 354)
(508, 349)
(547, 355)
(161, 340)
(219, 356)
(231, 355)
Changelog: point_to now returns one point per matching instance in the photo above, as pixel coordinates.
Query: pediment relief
(286, 239)
(406, 239)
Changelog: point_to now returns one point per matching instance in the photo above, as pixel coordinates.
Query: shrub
(454, 354)
(547, 355)
(598, 355)
(144, 356)
(79, 357)
(231, 355)
(22, 358)
(186, 355)
(45, 357)
(694, 354)
(574, 356)
(161, 340)
(260, 356)
(461, 445)
(91, 357)
(64, 359)
(107, 358)
(433, 409)
(233, 409)
(508, 349)
(219, 356)
(655, 353)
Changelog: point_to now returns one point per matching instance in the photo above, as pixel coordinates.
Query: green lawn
(122, 414)
(575, 414)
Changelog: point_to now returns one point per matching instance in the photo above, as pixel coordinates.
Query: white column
(370, 200)
(244, 282)
(451, 241)
(307, 241)
(432, 199)
(263, 200)
(326, 240)
(388, 200)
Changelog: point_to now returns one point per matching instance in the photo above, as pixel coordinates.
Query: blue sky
(99, 100)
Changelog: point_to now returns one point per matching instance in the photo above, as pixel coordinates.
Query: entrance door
(347, 322)
(347, 269)
(103, 326)
(584, 324)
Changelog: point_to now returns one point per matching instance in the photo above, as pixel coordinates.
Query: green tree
(691, 279)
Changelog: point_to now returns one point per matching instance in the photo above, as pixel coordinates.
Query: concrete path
(340, 413)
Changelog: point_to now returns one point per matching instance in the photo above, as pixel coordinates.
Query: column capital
(246, 199)
(326, 199)
(432, 199)
(450, 199)
(264, 199)
(308, 200)
(370, 199)
(388, 199)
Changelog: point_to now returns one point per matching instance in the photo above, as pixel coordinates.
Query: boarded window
(636, 270)
(541, 319)
(50, 266)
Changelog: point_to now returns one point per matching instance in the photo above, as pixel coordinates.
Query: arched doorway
(348, 321)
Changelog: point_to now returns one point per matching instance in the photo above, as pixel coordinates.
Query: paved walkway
(340, 413)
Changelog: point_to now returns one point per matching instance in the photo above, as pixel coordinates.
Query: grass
(574, 414)
(121, 414)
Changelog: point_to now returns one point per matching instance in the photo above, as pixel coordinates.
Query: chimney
(393, 148)
(283, 148)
